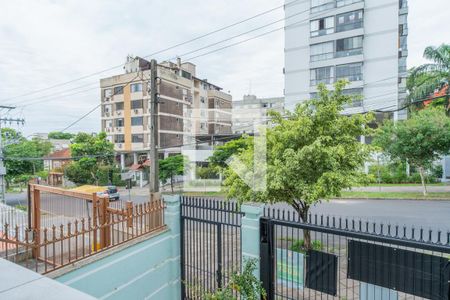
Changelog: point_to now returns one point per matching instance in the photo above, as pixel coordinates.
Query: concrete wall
(16, 282)
(147, 270)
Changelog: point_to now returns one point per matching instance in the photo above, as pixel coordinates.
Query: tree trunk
(422, 178)
(171, 183)
(303, 212)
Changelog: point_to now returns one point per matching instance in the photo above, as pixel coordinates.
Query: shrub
(396, 173)
(299, 246)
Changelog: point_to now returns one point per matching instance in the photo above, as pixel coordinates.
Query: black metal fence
(210, 244)
(336, 258)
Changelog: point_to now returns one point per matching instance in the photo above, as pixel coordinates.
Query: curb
(396, 199)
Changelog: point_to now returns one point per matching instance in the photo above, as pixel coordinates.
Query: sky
(46, 43)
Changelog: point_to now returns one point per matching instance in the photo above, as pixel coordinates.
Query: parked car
(112, 193)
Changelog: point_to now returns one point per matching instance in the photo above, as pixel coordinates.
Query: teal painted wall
(147, 270)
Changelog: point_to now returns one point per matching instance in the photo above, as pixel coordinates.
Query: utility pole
(2, 166)
(154, 138)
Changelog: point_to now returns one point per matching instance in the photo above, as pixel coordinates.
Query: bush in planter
(299, 246)
(244, 284)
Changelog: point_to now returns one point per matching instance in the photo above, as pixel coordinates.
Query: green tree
(171, 167)
(222, 153)
(312, 155)
(424, 79)
(90, 153)
(22, 156)
(58, 135)
(420, 140)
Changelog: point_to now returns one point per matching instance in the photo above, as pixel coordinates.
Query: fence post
(172, 218)
(129, 207)
(104, 227)
(250, 233)
(36, 219)
(94, 221)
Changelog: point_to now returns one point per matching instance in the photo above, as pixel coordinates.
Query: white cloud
(46, 42)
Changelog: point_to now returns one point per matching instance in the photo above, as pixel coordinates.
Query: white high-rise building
(364, 41)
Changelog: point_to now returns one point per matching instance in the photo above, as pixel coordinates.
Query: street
(428, 214)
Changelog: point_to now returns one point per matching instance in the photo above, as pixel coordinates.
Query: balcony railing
(333, 4)
(321, 32)
(331, 55)
(349, 26)
(354, 77)
(322, 80)
(349, 52)
(322, 7)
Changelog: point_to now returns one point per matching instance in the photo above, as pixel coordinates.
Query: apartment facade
(363, 41)
(252, 111)
(183, 108)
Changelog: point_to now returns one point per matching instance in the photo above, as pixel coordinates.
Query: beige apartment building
(251, 111)
(189, 107)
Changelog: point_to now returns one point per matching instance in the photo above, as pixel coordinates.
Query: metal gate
(210, 244)
(351, 259)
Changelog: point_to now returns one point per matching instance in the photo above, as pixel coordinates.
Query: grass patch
(21, 207)
(393, 195)
(406, 184)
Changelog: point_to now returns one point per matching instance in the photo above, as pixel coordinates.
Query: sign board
(290, 268)
(2, 171)
(126, 176)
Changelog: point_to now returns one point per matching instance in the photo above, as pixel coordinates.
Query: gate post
(267, 257)
(172, 216)
(250, 233)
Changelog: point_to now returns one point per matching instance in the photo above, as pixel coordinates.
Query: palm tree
(423, 80)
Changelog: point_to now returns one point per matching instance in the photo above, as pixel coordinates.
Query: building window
(136, 87)
(119, 138)
(322, 26)
(118, 90)
(119, 122)
(340, 3)
(119, 105)
(186, 75)
(349, 46)
(321, 5)
(137, 121)
(137, 138)
(403, 4)
(322, 75)
(356, 94)
(322, 51)
(349, 21)
(136, 104)
(107, 93)
(351, 72)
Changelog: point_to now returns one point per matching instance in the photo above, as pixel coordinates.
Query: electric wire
(152, 54)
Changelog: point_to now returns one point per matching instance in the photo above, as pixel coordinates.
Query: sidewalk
(404, 189)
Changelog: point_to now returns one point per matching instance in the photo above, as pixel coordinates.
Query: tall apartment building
(251, 111)
(363, 41)
(189, 106)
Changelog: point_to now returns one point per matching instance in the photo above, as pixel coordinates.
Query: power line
(222, 41)
(152, 54)
(244, 33)
(260, 35)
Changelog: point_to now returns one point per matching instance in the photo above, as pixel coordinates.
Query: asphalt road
(431, 214)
